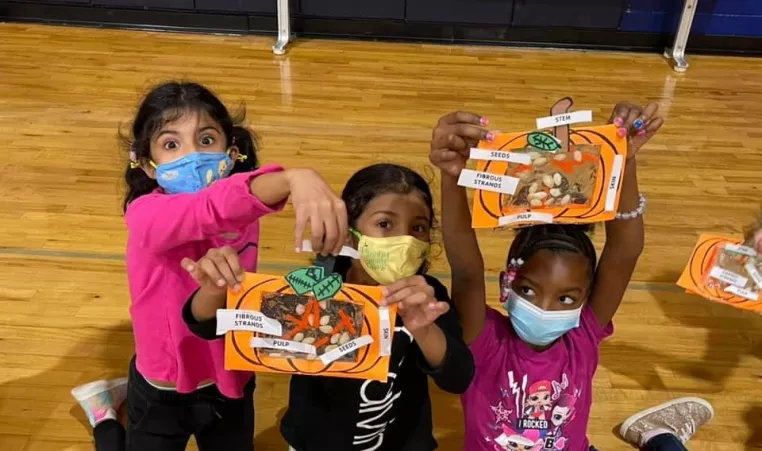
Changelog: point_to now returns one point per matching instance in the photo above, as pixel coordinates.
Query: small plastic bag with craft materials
(724, 270)
(555, 179)
(734, 269)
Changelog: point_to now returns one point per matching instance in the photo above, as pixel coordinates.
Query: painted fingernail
(638, 123)
(220, 283)
(490, 136)
(189, 268)
(484, 121)
(240, 277)
(618, 121)
(236, 288)
(622, 132)
(641, 133)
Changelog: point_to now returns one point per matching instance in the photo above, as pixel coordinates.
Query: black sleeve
(204, 329)
(457, 369)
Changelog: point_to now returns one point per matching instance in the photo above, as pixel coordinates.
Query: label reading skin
(385, 332)
(346, 348)
(613, 185)
(499, 155)
(545, 218)
(248, 320)
(488, 182)
(753, 273)
(565, 119)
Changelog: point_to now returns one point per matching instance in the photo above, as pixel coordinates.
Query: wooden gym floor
(337, 106)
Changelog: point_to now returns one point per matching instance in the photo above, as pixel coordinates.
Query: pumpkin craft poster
(308, 323)
(561, 175)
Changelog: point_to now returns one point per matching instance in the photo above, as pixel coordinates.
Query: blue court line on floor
(266, 266)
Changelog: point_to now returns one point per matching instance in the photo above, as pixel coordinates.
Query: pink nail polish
(490, 136)
(618, 122)
(641, 133)
(484, 121)
(622, 132)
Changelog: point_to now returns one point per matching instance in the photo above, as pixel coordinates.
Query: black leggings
(160, 420)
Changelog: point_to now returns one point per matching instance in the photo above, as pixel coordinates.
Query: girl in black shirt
(390, 212)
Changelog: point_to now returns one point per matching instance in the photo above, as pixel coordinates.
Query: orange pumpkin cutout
(576, 149)
(351, 313)
(695, 274)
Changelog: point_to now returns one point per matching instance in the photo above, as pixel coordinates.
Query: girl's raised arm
(625, 236)
(160, 222)
(451, 142)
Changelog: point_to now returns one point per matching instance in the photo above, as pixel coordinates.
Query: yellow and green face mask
(390, 259)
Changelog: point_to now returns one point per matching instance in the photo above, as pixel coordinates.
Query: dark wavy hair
(376, 180)
(169, 102)
(556, 238)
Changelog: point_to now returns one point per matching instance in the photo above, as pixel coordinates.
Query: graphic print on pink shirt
(523, 400)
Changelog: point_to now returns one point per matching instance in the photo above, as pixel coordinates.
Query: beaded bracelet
(637, 212)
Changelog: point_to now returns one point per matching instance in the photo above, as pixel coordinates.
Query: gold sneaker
(681, 417)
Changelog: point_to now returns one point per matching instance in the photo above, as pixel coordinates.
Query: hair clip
(241, 157)
(515, 263)
(133, 159)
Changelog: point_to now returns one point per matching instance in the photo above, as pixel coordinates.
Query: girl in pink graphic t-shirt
(193, 185)
(532, 388)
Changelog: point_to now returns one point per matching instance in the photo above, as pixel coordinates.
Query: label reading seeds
(248, 320)
(726, 276)
(613, 182)
(743, 292)
(741, 249)
(346, 348)
(545, 218)
(283, 345)
(499, 155)
(488, 182)
(564, 119)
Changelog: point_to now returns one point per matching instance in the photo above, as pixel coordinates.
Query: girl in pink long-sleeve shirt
(193, 185)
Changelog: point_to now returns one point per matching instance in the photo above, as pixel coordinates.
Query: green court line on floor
(265, 266)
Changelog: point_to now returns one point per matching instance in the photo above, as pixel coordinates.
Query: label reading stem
(564, 119)
(488, 182)
(247, 320)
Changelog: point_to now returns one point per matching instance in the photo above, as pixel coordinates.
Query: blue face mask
(535, 325)
(193, 172)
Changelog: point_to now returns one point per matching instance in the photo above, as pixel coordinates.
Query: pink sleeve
(160, 222)
(590, 326)
(491, 340)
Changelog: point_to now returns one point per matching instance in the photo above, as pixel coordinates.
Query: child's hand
(453, 138)
(416, 302)
(217, 270)
(638, 124)
(315, 202)
(758, 241)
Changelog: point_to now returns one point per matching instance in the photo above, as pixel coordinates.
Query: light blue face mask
(535, 325)
(193, 172)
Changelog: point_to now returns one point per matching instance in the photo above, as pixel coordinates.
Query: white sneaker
(101, 399)
(680, 417)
